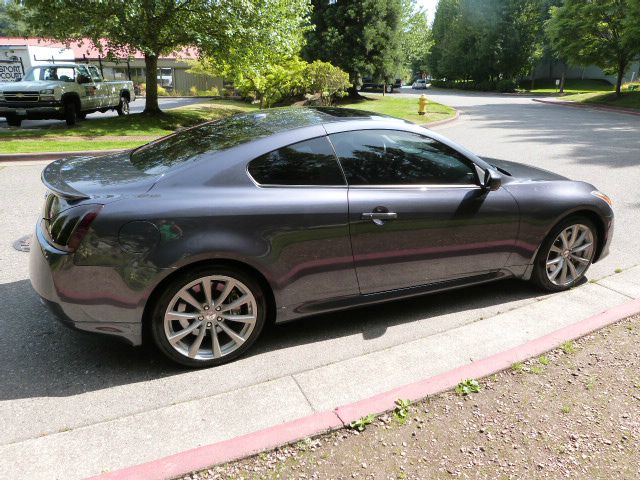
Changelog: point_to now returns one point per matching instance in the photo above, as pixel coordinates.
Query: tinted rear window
(189, 145)
(311, 162)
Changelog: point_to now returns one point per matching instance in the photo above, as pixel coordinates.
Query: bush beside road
(571, 413)
(131, 131)
(627, 100)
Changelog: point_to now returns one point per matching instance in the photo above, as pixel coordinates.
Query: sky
(430, 5)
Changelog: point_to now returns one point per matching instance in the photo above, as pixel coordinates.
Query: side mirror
(491, 180)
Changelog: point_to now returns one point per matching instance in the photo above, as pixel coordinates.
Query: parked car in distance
(64, 91)
(420, 84)
(200, 238)
(371, 85)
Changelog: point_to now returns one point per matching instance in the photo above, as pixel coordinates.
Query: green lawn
(137, 129)
(570, 86)
(627, 100)
(401, 107)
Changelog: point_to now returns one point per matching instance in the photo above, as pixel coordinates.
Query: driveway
(87, 404)
(136, 106)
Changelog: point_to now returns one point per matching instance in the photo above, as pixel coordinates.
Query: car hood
(28, 86)
(522, 172)
(103, 177)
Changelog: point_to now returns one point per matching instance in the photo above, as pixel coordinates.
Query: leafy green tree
(416, 38)
(599, 32)
(362, 37)
(485, 40)
(242, 31)
(10, 26)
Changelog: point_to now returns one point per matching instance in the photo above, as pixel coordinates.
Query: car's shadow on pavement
(40, 357)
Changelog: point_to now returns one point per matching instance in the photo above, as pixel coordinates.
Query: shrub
(162, 92)
(506, 85)
(326, 80)
(212, 92)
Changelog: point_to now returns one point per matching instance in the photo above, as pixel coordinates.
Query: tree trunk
(533, 78)
(622, 66)
(151, 101)
(562, 80)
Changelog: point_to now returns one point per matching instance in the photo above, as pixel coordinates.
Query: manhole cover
(23, 244)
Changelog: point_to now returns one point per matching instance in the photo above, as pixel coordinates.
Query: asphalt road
(136, 106)
(57, 384)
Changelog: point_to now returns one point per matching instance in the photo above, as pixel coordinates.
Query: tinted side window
(95, 75)
(392, 157)
(311, 162)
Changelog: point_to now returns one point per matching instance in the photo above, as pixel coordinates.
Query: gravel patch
(571, 413)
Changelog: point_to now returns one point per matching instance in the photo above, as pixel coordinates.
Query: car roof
(282, 119)
(62, 65)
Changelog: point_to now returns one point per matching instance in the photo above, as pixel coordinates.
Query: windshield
(51, 73)
(188, 145)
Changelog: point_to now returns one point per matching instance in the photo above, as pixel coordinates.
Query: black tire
(123, 107)
(82, 115)
(14, 121)
(540, 276)
(70, 113)
(167, 298)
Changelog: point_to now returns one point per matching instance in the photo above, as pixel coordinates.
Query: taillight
(67, 230)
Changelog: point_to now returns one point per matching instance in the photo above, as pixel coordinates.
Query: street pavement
(136, 106)
(75, 405)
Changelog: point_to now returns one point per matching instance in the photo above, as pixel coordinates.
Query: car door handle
(379, 216)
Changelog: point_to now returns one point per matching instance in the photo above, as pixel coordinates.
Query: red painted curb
(588, 107)
(239, 447)
(318, 423)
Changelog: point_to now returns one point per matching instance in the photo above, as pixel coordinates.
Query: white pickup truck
(66, 91)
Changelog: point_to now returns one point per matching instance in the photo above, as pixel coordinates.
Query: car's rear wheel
(123, 107)
(566, 254)
(209, 316)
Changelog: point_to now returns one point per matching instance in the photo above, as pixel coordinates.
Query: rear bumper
(52, 275)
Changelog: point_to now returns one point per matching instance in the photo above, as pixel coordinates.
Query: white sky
(430, 5)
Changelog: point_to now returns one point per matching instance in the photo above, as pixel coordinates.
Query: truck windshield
(51, 73)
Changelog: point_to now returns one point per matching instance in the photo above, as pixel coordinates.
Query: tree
(485, 40)
(362, 37)
(596, 32)
(326, 80)
(9, 25)
(226, 28)
(416, 38)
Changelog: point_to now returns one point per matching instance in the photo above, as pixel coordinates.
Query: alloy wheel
(210, 317)
(570, 255)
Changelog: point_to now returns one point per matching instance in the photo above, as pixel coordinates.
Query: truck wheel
(82, 115)
(14, 121)
(123, 107)
(389, 88)
(70, 113)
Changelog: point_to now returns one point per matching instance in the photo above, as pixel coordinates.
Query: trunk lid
(102, 178)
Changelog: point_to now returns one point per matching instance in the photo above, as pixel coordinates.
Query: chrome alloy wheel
(570, 255)
(210, 317)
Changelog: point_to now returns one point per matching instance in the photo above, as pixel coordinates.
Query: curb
(23, 157)
(321, 422)
(589, 107)
(442, 122)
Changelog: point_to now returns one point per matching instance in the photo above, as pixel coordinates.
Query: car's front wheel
(208, 316)
(566, 254)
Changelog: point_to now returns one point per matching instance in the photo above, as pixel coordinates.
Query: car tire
(389, 88)
(123, 107)
(183, 306)
(14, 121)
(70, 113)
(82, 115)
(561, 264)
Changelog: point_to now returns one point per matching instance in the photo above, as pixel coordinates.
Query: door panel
(417, 214)
(438, 234)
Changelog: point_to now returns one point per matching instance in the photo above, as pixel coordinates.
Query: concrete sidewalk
(94, 432)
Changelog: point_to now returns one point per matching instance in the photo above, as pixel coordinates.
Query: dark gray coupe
(198, 239)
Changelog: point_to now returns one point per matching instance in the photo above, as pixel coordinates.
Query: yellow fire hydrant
(422, 104)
